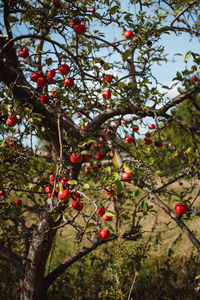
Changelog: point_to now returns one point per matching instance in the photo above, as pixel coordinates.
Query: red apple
(180, 183)
(69, 82)
(64, 195)
(108, 78)
(64, 69)
(158, 144)
(78, 115)
(87, 170)
(24, 52)
(180, 208)
(92, 9)
(101, 211)
(148, 142)
(17, 288)
(34, 77)
(110, 191)
(2, 192)
(193, 79)
(51, 74)
(129, 139)
(104, 234)
(64, 181)
(11, 143)
(106, 95)
(12, 121)
(77, 205)
(135, 128)
(76, 158)
(19, 202)
(76, 195)
(44, 99)
(74, 21)
(107, 218)
(41, 81)
(95, 170)
(79, 28)
(56, 102)
(126, 176)
(128, 34)
(152, 126)
(48, 189)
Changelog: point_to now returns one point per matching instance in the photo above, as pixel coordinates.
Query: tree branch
(12, 260)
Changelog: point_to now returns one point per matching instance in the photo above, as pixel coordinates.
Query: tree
(78, 115)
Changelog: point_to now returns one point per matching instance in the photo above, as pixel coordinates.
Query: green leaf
(179, 76)
(127, 168)
(12, 19)
(90, 226)
(109, 213)
(56, 217)
(49, 61)
(59, 186)
(118, 187)
(187, 56)
(86, 186)
(85, 152)
(114, 9)
(136, 193)
(126, 54)
(72, 182)
(115, 162)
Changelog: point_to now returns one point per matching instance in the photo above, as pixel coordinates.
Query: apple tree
(100, 115)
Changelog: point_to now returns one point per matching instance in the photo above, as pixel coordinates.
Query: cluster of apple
(64, 193)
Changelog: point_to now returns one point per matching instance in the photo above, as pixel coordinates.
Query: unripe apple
(128, 34)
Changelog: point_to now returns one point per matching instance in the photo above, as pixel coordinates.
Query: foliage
(86, 96)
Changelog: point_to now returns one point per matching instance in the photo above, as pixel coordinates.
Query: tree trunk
(32, 288)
